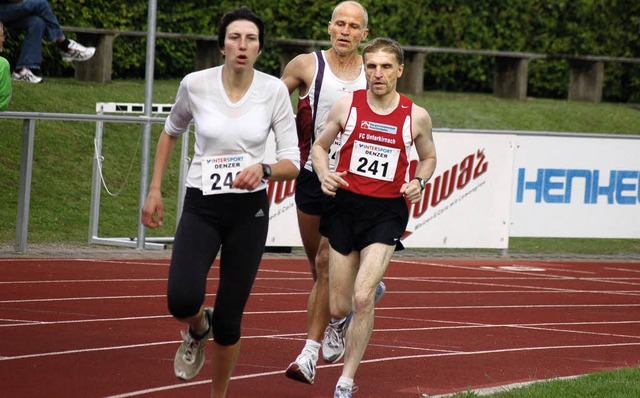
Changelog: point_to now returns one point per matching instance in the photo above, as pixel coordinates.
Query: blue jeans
(36, 19)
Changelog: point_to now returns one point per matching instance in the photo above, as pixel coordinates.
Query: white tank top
(325, 90)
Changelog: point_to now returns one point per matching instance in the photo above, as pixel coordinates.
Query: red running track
(100, 328)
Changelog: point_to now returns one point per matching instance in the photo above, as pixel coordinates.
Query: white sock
(313, 347)
(345, 382)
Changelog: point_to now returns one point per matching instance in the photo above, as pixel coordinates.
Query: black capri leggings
(235, 223)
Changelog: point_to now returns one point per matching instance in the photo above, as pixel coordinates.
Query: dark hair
(384, 44)
(242, 13)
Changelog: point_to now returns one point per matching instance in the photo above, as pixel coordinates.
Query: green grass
(623, 383)
(63, 158)
(482, 111)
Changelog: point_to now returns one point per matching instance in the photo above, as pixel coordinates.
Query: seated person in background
(5, 76)
(36, 19)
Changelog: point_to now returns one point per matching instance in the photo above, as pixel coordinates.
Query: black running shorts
(309, 196)
(353, 222)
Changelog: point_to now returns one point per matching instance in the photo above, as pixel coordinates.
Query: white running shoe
(303, 368)
(189, 358)
(333, 342)
(25, 75)
(77, 52)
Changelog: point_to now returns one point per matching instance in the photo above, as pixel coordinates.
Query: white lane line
(379, 360)
(79, 321)
(513, 291)
(536, 326)
(21, 323)
(12, 261)
(148, 296)
(66, 281)
(539, 288)
(635, 270)
(501, 270)
(126, 347)
(509, 326)
(495, 270)
(50, 300)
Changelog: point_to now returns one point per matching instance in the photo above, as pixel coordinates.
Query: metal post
(24, 194)
(146, 131)
(94, 213)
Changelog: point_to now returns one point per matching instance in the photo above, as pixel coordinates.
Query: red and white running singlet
(375, 148)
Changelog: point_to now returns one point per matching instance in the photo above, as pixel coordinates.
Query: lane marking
(288, 336)
(378, 360)
(516, 268)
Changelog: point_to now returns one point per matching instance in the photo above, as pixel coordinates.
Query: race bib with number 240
(218, 172)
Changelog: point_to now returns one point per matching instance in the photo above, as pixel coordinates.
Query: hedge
(579, 27)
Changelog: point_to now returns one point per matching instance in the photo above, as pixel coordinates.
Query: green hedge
(585, 27)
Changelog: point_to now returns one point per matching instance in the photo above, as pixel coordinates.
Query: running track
(99, 328)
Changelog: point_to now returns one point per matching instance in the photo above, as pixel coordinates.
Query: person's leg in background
(28, 66)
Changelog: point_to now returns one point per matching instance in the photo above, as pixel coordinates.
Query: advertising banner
(465, 204)
(576, 187)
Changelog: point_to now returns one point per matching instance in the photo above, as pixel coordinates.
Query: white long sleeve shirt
(226, 131)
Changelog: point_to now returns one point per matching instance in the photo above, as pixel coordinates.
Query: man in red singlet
(370, 187)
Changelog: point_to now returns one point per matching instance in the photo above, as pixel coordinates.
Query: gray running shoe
(189, 358)
(25, 75)
(333, 343)
(77, 52)
(380, 291)
(303, 368)
(342, 392)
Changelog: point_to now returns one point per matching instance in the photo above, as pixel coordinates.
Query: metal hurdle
(96, 180)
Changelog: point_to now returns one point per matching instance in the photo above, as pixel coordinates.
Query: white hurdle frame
(96, 179)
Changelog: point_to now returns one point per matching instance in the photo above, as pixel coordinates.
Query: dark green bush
(584, 27)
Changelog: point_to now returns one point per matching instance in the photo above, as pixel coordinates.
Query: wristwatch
(266, 170)
(423, 183)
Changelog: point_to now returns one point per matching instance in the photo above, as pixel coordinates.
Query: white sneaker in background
(25, 75)
(77, 52)
(333, 342)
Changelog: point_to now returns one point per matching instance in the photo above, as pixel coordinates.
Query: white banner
(492, 185)
(283, 219)
(465, 204)
(576, 187)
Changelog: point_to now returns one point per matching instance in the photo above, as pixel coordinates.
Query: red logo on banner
(278, 191)
(441, 187)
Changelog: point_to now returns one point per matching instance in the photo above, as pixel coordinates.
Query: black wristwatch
(266, 170)
(423, 183)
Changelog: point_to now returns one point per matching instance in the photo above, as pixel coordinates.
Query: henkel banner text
(576, 187)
